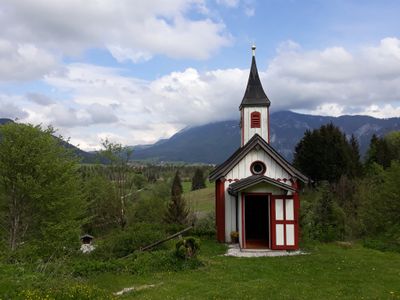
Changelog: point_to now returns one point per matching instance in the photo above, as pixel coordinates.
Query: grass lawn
(200, 200)
(328, 272)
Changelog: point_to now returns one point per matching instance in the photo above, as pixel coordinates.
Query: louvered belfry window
(255, 119)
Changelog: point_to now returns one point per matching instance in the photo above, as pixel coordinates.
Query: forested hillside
(215, 142)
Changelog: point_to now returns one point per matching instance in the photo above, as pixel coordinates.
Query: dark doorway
(257, 221)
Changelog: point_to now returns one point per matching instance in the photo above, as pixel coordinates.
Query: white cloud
(24, 61)
(9, 108)
(249, 9)
(133, 30)
(307, 79)
(228, 3)
(101, 102)
(39, 99)
(146, 110)
(385, 111)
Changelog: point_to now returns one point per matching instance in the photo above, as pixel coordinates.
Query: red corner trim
(220, 210)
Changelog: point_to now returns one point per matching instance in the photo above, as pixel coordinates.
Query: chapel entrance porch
(256, 221)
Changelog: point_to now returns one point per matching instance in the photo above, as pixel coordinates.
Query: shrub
(122, 243)
(161, 261)
(187, 247)
(149, 208)
(76, 291)
(322, 219)
(205, 226)
(389, 241)
(139, 263)
(89, 267)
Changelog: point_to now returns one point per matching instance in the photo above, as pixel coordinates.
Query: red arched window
(255, 119)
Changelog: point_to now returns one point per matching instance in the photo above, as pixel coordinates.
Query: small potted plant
(235, 237)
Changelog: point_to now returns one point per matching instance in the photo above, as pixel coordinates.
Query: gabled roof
(224, 168)
(254, 94)
(247, 182)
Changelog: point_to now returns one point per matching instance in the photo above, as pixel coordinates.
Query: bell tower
(254, 109)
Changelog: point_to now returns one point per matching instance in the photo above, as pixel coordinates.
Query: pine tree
(198, 180)
(379, 152)
(177, 212)
(323, 154)
(356, 167)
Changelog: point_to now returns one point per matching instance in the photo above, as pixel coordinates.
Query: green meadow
(328, 271)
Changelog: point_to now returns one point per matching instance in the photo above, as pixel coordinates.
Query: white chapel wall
(248, 132)
(242, 169)
(230, 213)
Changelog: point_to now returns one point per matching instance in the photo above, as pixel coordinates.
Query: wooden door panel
(284, 223)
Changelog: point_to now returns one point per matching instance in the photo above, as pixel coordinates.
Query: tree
(356, 166)
(328, 217)
(40, 188)
(101, 210)
(379, 195)
(324, 154)
(383, 150)
(198, 180)
(121, 176)
(177, 212)
(393, 140)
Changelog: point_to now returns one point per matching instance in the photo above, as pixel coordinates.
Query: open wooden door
(284, 222)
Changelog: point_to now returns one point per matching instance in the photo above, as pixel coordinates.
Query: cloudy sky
(135, 71)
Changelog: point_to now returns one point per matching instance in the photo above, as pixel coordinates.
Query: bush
(322, 219)
(149, 209)
(187, 248)
(76, 291)
(389, 241)
(205, 226)
(122, 243)
(89, 267)
(161, 261)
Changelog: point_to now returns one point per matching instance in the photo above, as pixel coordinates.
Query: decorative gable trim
(250, 181)
(223, 169)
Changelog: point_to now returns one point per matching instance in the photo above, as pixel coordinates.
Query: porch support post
(220, 209)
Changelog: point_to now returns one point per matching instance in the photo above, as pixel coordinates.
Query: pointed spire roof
(254, 95)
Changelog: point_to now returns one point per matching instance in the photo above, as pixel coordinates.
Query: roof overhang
(250, 181)
(256, 141)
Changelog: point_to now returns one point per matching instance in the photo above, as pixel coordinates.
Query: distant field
(201, 200)
(328, 272)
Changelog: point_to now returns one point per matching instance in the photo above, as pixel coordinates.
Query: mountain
(205, 144)
(5, 121)
(215, 142)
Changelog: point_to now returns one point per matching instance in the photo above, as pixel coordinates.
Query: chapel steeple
(254, 94)
(254, 108)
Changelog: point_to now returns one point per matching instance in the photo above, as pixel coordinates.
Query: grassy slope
(329, 272)
(200, 200)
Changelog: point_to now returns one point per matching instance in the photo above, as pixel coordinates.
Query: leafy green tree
(380, 195)
(40, 188)
(328, 217)
(177, 212)
(198, 180)
(122, 177)
(324, 154)
(101, 210)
